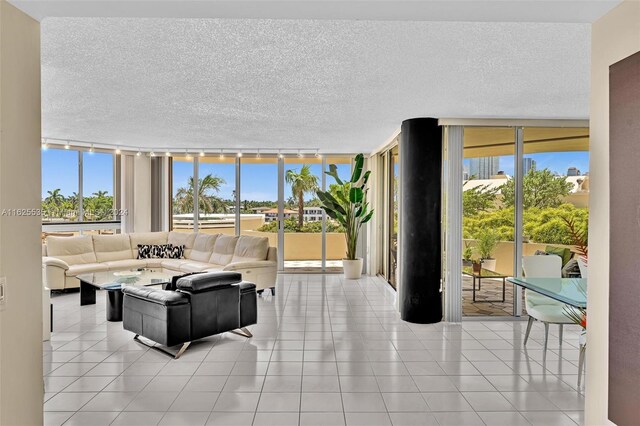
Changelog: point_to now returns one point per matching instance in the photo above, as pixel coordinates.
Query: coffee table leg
(503, 288)
(87, 294)
(114, 305)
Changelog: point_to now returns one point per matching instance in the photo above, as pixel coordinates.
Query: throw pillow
(159, 251)
(564, 253)
(175, 252)
(144, 251)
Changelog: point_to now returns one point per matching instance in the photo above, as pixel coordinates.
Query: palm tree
(301, 183)
(55, 197)
(206, 203)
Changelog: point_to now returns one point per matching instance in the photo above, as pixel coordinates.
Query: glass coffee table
(113, 281)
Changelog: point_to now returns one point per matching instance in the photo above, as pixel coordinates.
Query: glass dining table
(572, 291)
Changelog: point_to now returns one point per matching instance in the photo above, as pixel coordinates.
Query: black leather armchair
(202, 305)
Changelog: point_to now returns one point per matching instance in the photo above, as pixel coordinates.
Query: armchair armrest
(54, 261)
(249, 265)
(53, 272)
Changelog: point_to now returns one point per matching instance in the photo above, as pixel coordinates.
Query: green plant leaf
(357, 168)
(356, 195)
(329, 202)
(365, 178)
(333, 172)
(367, 218)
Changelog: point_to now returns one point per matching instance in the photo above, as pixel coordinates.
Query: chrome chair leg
(243, 332)
(159, 349)
(583, 353)
(526, 335)
(561, 333)
(546, 339)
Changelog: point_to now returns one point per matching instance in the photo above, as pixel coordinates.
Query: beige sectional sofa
(64, 258)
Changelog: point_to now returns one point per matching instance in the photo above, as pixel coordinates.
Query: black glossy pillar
(420, 220)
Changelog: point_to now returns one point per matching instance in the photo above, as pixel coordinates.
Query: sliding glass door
(269, 195)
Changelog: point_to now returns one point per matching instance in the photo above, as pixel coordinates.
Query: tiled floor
(325, 352)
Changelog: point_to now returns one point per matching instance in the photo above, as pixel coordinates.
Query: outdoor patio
(488, 298)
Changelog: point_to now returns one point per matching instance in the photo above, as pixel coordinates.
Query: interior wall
(614, 37)
(142, 194)
(21, 385)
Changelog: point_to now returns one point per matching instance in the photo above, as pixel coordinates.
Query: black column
(420, 238)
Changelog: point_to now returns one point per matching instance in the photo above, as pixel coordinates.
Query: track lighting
(91, 149)
(221, 154)
(44, 144)
(239, 154)
(168, 154)
(139, 153)
(118, 150)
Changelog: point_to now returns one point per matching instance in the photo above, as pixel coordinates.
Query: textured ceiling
(341, 86)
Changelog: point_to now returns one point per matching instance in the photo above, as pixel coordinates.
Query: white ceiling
(333, 85)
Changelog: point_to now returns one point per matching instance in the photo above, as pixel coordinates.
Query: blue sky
(258, 181)
(60, 170)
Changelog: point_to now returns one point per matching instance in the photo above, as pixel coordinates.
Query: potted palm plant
(487, 242)
(347, 204)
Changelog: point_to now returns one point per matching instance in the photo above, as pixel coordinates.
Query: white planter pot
(352, 268)
(489, 264)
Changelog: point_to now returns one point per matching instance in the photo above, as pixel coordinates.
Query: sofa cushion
(73, 250)
(154, 263)
(173, 264)
(193, 266)
(186, 239)
(146, 238)
(249, 249)
(112, 247)
(155, 295)
(202, 247)
(85, 268)
(118, 265)
(223, 250)
(201, 282)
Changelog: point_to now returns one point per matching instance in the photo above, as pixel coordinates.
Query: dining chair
(539, 307)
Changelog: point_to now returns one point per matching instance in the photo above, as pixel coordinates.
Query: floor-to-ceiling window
(335, 243)
(98, 200)
(182, 194)
(388, 191)
(302, 213)
(217, 194)
(307, 239)
(556, 191)
(78, 191)
(488, 220)
(259, 197)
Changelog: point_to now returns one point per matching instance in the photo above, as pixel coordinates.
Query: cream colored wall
(142, 194)
(614, 37)
(21, 385)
